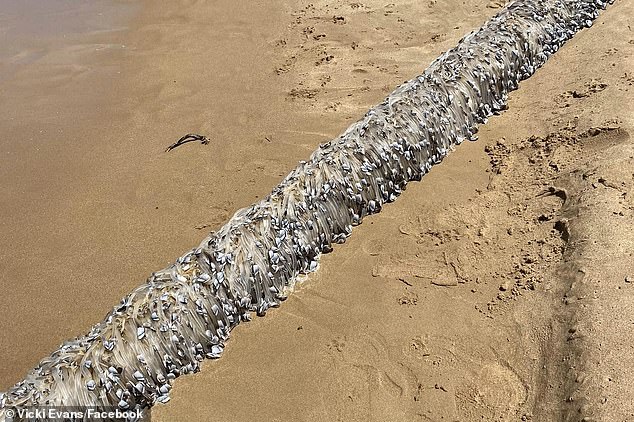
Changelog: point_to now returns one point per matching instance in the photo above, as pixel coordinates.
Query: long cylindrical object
(184, 313)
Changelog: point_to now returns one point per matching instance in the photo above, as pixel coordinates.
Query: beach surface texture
(538, 205)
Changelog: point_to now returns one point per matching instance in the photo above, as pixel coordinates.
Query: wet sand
(446, 306)
(60, 73)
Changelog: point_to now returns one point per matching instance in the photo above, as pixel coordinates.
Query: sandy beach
(500, 287)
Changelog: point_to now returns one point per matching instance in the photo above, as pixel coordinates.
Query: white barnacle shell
(217, 349)
(140, 387)
(163, 399)
(138, 376)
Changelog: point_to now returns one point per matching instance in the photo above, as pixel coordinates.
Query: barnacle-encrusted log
(184, 313)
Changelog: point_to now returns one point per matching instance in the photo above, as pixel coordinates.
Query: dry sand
(495, 289)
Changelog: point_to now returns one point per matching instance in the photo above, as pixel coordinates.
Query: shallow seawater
(29, 29)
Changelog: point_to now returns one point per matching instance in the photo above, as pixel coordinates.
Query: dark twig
(190, 137)
(401, 279)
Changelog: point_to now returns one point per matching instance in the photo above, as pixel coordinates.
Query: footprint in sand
(417, 348)
(590, 88)
(378, 377)
(498, 391)
(302, 93)
(373, 247)
(408, 299)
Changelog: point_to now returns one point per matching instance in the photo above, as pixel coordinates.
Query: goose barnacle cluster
(184, 313)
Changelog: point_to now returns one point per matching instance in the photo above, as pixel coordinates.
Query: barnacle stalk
(184, 313)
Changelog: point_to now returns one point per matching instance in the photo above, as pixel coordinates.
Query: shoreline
(60, 83)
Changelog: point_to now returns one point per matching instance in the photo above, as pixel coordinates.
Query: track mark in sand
(495, 393)
(448, 244)
(504, 242)
(417, 348)
(337, 344)
(323, 40)
(444, 265)
(303, 93)
(561, 171)
(380, 386)
(590, 88)
(287, 65)
(373, 247)
(408, 298)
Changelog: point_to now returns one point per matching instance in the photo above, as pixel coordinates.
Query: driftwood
(190, 137)
(184, 313)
